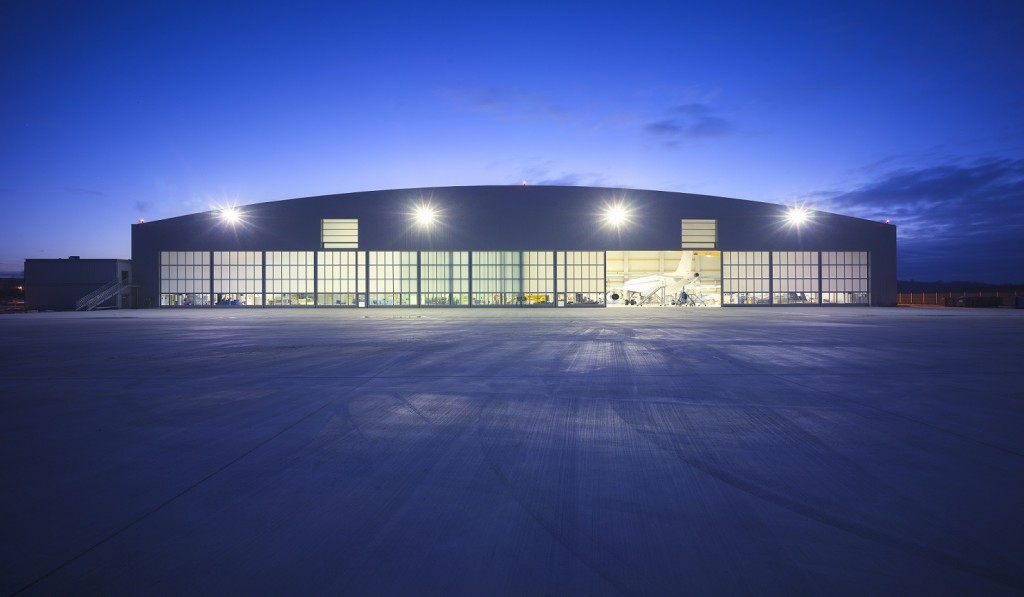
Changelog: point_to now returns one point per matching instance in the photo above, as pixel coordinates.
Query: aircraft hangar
(513, 246)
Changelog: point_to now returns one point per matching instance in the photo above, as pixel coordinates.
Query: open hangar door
(689, 278)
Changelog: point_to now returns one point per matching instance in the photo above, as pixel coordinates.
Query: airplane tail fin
(685, 265)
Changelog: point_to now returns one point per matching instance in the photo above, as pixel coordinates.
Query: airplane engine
(614, 296)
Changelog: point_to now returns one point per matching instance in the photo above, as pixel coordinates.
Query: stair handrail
(94, 298)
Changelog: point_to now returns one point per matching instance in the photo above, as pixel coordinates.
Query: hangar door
(689, 278)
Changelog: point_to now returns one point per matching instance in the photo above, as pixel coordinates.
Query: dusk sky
(909, 111)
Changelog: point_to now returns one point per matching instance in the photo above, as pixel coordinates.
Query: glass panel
(580, 278)
(289, 278)
(392, 279)
(496, 278)
(748, 281)
(181, 283)
(795, 278)
(341, 276)
(239, 278)
(538, 278)
(845, 284)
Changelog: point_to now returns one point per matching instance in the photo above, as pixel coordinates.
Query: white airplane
(639, 291)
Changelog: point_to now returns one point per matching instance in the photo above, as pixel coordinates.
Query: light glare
(425, 215)
(797, 216)
(616, 215)
(231, 215)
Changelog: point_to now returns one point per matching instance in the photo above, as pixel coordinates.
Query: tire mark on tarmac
(693, 438)
(144, 516)
(489, 419)
(546, 455)
(898, 415)
(422, 444)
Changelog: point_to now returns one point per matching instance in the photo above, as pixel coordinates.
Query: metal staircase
(99, 296)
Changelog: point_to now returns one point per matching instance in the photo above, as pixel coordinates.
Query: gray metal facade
(507, 218)
(58, 284)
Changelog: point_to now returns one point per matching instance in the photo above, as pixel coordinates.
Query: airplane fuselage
(639, 290)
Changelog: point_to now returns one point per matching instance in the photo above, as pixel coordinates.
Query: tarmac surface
(521, 452)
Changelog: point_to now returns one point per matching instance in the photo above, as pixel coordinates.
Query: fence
(1005, 299)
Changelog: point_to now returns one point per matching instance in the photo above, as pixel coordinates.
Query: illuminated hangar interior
(513, 246)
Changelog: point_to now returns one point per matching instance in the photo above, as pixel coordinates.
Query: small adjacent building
(75, 283)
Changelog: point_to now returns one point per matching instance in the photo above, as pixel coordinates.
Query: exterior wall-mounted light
(425, 215)
(231, 215)
(616, 215)
(797, 216)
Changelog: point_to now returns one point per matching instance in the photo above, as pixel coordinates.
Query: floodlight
(231, 215)
(425, 215)
(616, 215)
(797, 216)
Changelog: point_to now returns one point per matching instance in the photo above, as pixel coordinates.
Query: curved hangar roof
(513, 218)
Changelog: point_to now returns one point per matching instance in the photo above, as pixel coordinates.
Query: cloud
(573, 179)
(689, 122)
(954, 220)
(82, 191)
(505, 101)
(975, 199)
(709, 126)
(668, 128)
(546, 172)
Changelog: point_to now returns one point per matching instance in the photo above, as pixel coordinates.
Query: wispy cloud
(506, 101)
(668, 128)
(689, 122)
(84, 192)
(975, 199)
(547, 172)
(951, 216)
(588, 179)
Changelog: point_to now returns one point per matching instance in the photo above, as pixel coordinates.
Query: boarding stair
(650, 296)
(694, 298)
(99, 296)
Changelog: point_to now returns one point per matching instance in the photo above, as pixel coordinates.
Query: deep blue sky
(913, 111)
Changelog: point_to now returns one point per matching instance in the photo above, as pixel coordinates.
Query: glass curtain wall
(580, 277)
(746, 278)
(286, 278)
(496, 278)
(341, 278)
(538, 277)
(289, 278)
(444, 278)
(844, 278)
(393, 278)
(238, 277)
(795, 278)
(184, 278)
